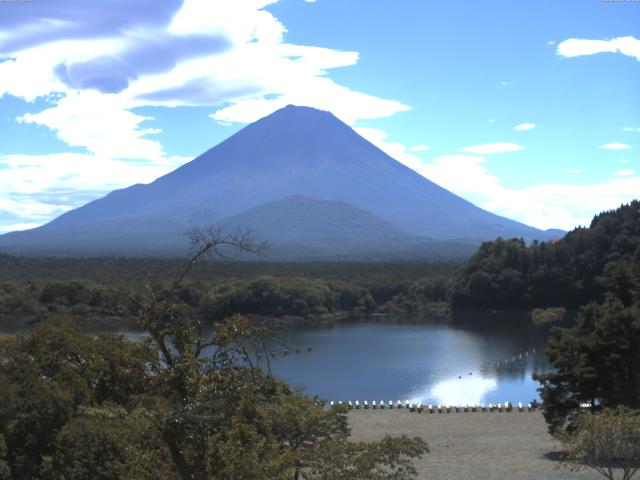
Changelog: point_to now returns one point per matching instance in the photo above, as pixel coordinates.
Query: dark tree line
(582, 267)
(33, 290)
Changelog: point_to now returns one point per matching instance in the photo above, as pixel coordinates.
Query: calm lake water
(414, 359)
(431, 362)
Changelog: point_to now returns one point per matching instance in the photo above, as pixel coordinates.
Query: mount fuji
(299, 178)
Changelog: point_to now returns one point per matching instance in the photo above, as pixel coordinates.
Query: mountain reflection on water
(416, 359)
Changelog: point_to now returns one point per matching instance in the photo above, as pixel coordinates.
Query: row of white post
(419, 407)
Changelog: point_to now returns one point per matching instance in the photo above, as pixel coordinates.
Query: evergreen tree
(597, 362)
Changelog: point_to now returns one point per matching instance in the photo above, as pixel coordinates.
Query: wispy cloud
(37, 188)
(420, 148)
(615, 146)
(576, 47)
(548, 205)
(624, 172)
(524, 126)
(493, 148)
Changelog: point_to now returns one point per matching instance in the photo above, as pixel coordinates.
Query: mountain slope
(294, 151)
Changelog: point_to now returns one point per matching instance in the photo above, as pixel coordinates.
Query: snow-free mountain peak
(293, 151)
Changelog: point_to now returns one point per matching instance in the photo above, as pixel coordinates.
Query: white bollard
(357, 404)
(366, 405)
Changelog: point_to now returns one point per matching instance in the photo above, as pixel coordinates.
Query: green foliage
(596, 362)
(5, 472)
(544, 316)
(180, 403)
(607, 442)
(107, 443)
(36, 289)
(272, 296)
(391, 458)
(584, 266)
(51, 373)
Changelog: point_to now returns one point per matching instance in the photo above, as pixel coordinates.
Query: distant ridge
(296, 152)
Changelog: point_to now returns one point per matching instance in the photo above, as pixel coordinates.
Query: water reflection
(413, 359)
(465, 391)
(431, 362)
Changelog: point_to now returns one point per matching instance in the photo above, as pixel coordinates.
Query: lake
(412, 358)
(421, 361)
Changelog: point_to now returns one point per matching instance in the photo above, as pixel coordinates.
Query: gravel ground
(474, 446)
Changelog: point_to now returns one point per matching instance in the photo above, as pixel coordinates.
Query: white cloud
(624, 172)
(615, 146)
(575, 47)
(575, 171)
(631, 129)
(17, 227)
(37, 188)
(623, 160)
(100, 123)
(462, 174)
(493, 148)
(524, 126)
(393, 149)
(228, 54)
(543, 206)
(420, 148)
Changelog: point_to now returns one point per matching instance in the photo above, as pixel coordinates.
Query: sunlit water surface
(423, 362)
(411, 359)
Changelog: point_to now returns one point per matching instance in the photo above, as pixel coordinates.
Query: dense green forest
(582, 267)
(94, 290)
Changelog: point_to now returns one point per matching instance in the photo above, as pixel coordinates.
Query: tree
(5, 472)
(226, 416)
(596, 362)
(607, 442)
(109, 442)
(194, 400)
(49, 375)
(389, 459)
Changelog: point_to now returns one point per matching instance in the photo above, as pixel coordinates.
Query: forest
(91, 289)
(584, 266)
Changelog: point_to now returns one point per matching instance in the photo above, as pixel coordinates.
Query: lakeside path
(472, 446)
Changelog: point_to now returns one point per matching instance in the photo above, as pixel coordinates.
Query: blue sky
(529, 109)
